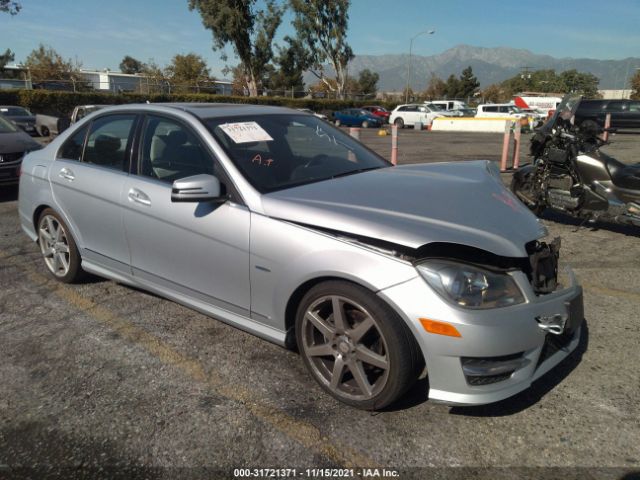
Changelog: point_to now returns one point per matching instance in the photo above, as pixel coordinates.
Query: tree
(368, 82)
(322, 26)
(187, 71)
(635, 86)
(291, 63)
(452, 87)
(578, 82)
(131, 66)
(436, 89)
(45, 63)
(156, 78)
(10, 6)
(495, 94)
(249, 32)
(6, 57)
(468, 83)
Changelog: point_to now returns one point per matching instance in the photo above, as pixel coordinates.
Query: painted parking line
(303, 432)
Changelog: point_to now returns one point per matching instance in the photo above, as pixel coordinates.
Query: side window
(634, 106)
(490, 109)
(402, 109)
(170, 151)
(617, 107)
(108, 141)
(72, 148)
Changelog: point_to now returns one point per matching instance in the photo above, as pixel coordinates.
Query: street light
(428, 32)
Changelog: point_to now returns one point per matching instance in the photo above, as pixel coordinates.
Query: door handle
(66, 174)
(138, 196)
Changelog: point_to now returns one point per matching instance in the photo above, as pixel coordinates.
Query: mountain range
(490, 65)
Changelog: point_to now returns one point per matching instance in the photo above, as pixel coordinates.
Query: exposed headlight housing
(469, 286)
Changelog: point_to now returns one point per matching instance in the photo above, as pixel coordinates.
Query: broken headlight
(469, 286)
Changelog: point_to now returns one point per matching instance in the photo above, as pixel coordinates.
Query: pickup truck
(49, 125)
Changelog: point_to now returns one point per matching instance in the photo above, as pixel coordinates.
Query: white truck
(543, 105)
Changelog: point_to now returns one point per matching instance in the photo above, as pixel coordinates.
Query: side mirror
(198, 188)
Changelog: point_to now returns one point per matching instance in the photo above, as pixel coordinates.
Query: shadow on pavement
(558, 217)
(8, 193)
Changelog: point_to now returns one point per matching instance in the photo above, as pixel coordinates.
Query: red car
(381, 112)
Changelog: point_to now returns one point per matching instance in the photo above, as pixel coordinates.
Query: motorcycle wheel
(523, 189)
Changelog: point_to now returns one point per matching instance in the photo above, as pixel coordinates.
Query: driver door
(196, 249)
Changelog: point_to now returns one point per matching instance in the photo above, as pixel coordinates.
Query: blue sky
(100, 32)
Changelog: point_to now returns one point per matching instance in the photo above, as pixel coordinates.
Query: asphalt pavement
(100, 380)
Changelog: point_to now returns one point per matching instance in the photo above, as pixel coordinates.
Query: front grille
(488, 379)
(487, 370)
(6, 158)
(553, 344)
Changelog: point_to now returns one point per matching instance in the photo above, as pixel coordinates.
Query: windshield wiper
(358, 170)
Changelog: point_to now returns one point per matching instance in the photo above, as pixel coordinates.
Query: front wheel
(355, 346)
(337, 122)
(523, 188)
(365, 124)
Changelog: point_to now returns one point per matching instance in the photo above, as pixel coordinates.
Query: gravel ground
(104, 381)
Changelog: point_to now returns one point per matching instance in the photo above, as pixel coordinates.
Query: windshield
(565, 111)
(275, 152)
(15, 112)
(6, 126)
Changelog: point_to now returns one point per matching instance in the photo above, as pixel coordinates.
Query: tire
(58, 248)
(337, 122)
(44, 131)
(591, 126)
(370, 331)
(522, 190)
(399, 122)
(365, 124)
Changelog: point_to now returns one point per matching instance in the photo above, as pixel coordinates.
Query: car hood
(14, 142)
(414, 205)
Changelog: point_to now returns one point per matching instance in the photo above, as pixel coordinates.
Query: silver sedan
(276, 222)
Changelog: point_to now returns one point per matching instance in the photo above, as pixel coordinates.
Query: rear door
(87, 178)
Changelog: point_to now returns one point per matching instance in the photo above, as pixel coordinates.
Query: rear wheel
(523, 188)
(365, 124)
(58, 248)
(355, 346)
(399, 122)
(337, 122)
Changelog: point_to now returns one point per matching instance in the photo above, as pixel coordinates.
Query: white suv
(499, 110)
(412, 113)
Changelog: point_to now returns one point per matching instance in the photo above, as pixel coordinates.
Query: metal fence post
(394, 144)
(505, 145)
(515, 163)
(607, 124)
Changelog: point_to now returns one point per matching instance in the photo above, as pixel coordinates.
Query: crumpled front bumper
(490, 339)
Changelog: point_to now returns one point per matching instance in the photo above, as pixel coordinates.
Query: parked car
(14, 144)
(47, 125)
(308, 110)
(624, 113)
(284, 226)
(378, 112)
(356, 117)
(413, 113)
(22, 117)
(494, 110)
(451, 105)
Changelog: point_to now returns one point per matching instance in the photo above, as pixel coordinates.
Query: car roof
(210, 110)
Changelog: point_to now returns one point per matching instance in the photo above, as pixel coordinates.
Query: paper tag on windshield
(246, 132)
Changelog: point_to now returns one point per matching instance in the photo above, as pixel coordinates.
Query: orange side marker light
(439, 328)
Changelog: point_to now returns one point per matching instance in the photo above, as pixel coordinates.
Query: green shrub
(62, 103)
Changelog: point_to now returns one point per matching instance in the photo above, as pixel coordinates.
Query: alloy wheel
(54, 245)
(345, 348)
